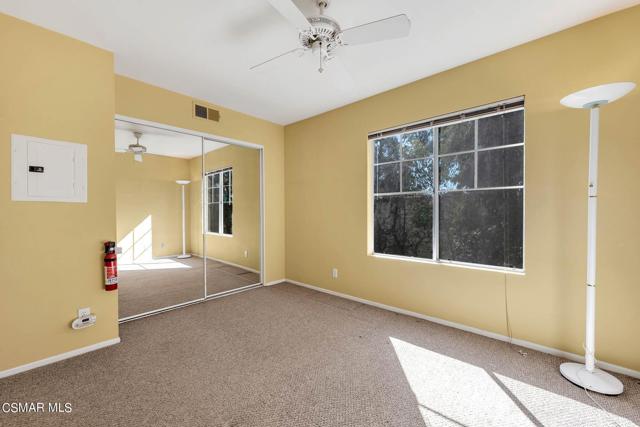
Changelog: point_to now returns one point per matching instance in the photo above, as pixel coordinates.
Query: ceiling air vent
(202, 111)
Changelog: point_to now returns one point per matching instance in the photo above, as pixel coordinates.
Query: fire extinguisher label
(110, 276)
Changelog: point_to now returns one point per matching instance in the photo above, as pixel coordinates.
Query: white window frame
(436, 156)
(220, 204)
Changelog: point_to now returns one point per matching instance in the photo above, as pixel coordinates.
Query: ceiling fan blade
(339, 76)
(389, 28)
(290, 11)
(298, 49)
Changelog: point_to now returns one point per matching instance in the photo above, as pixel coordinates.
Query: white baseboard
(521, 343)
(155, 257)
(209, 257)
(229, 263)
(275, 282)
(58, 357)
(244, 267)
(169, 256)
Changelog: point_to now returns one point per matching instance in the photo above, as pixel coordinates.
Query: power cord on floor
(609, 416)
(506, 314)
(524, 354)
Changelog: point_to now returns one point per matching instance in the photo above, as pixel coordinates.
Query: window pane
(387, 178)
(456, 172)
(387, 149)
(209, 181)
(216, 179)
(482, 227)
(503, 129)
(458, 137)
(417, 175)
(500, 168)
(227, 194)
(213, 217)
(210, 192)
(403, 225)
(226, 179)
(417, 144)
(227, 216)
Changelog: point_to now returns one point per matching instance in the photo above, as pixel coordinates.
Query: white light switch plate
(83, 312)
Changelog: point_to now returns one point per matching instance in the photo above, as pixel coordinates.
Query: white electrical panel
(44, 170)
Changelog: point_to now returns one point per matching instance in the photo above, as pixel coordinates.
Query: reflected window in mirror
(219, 202)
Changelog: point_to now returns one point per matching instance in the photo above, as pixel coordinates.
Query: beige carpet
(288, 356)
(169, 281)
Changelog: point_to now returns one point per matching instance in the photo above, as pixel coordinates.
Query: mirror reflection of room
(153, 205)
(231, 215)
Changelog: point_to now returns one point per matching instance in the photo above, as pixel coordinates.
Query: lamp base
(598, 380)
(184, 256)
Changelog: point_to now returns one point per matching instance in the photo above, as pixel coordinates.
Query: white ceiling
(204, 48)
(162, 142)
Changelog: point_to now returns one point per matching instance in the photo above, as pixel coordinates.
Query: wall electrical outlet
(246, 253)
(334, 273)
(84, 320)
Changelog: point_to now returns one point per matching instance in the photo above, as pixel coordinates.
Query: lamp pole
(183, 183)
(588, 375)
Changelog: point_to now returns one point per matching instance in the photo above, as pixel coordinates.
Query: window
(219, 202)
(451, 190)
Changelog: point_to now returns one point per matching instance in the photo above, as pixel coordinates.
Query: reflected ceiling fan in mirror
(137, 149)
(322, 34)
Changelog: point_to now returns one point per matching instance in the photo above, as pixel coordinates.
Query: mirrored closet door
(155, 171)
(231, 212)
(188, 214)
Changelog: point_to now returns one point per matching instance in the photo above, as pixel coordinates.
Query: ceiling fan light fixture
(137, 149)
(323, 33)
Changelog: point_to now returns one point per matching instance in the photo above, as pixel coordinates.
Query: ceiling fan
(322, 35)
(137, 149)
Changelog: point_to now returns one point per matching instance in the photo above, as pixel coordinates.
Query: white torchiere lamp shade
(183, 183)
(588, 375)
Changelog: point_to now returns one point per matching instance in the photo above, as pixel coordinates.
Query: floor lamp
(183, 183)
(587, 375)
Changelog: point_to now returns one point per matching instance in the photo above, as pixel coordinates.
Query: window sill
(208, 233)
(457, 264)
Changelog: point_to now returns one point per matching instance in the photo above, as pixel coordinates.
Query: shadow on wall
(137, 244)
(137, 250)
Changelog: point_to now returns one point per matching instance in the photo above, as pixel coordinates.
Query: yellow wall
(149, 189)
(246, 206)
(143, 101)
(52, 86)
(326, 198)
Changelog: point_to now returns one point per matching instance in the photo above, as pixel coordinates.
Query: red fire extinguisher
(110, 266)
